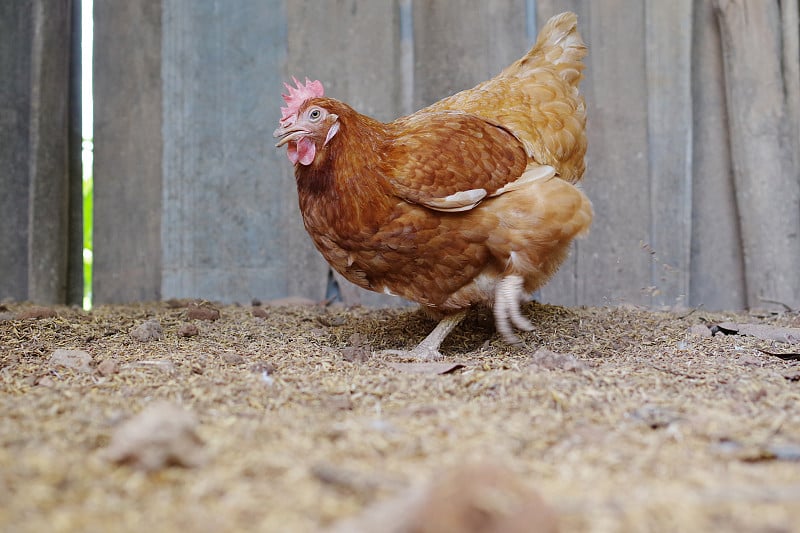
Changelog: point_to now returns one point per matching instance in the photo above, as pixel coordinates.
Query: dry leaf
(785, 356)
(761, 331)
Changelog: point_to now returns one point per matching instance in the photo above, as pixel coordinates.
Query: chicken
(468, 201)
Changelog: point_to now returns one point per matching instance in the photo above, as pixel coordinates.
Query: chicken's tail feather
(559, 44)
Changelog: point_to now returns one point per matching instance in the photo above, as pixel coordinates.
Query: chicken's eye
(315, 114)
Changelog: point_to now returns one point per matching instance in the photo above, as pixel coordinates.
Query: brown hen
(468, 201)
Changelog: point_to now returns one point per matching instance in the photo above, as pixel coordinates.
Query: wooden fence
(693, 140)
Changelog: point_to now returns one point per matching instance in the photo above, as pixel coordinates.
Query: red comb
(298, 95)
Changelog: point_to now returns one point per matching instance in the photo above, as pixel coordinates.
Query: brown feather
(438, 206)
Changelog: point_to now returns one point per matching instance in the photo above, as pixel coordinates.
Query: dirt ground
(622, 419)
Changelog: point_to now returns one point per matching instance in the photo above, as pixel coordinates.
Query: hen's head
(306, 126)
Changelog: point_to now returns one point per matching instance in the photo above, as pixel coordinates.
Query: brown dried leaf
(761, 331)
(794, 356)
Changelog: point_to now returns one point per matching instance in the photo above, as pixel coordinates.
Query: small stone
(502, 500)
(792, 375)
(550, 360)
(107, 367)
(37, 312)
(202, 312)
(476, 498)
(175, 303)
(45, 381)
(162, 435)
(263, 367)
(700, 330)
(148, 331)
(232, 358)
(260, 312)
(188, 330)
(75, 359)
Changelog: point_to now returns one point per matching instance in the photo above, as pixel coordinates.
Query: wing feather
(450, 160)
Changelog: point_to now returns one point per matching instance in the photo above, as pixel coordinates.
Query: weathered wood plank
(762, 144)
(227, 232)
(75, 281)
(127, 151)
(717, 270)
(353, 48)
(668, 43)
(34, 118)
(460, 43)
(612, 265)
(16, 34)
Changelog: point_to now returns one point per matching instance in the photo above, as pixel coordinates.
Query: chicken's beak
(287, 134)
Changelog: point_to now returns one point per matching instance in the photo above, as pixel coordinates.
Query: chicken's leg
(507, 296)
(428, 349)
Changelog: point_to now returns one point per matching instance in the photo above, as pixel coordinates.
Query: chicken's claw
(428, 349)
(420, 354)
(507, 297)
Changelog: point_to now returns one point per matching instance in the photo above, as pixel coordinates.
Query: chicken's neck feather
(344, 187)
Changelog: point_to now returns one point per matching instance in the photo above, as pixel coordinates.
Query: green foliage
(88, 196)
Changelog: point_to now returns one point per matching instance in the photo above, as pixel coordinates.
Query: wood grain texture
(75, 280)
(127, 151)
(34, 146)
(227, 232)
(460, 43)
(668, 43)
(612, 265)
(717, 269)
(16, 33)
(762, 145)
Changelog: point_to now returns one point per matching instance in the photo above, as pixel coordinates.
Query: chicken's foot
(428, 349)
(507, 297)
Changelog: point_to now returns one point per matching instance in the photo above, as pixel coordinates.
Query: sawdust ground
(661, 430)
